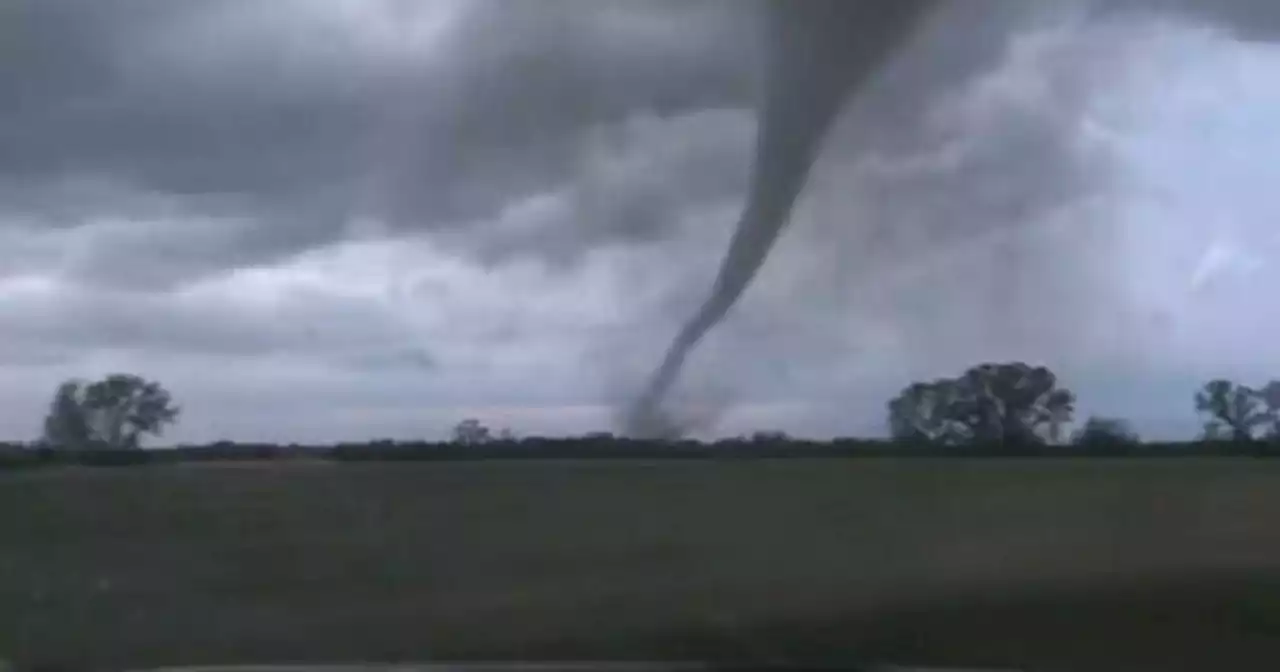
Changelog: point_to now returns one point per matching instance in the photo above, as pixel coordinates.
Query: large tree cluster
(1006, 403)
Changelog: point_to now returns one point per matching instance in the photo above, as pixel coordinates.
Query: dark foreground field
(1139, 564)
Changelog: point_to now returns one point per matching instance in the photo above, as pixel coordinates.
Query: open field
(1173, 562)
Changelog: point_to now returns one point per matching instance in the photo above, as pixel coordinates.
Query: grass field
(1173, 563)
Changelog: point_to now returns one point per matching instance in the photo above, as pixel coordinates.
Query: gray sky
(321, 220)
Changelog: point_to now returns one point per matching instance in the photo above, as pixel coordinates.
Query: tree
(1002, 403)
(1101, 431)
(925, 412)
(1235, 411)
(1269, 394)
(769, 436)
(66, 426)
(1015, 402)
(114, 412)
(471, 432)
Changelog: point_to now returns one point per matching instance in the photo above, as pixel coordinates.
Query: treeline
(989, 410)
(21, 456)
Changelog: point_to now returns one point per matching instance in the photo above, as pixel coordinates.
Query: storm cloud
(393, 214)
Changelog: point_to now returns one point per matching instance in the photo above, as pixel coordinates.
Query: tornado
(818, 53)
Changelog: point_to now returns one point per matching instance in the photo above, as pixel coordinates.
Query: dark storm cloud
(502, 134)
(81, 100)
(501, 114)
(298, 136)
(1246, 19)
(636, 181)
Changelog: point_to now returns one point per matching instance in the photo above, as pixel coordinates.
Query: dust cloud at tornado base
(822, 56)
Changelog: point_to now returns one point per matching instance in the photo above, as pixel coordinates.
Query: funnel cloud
(818, 53)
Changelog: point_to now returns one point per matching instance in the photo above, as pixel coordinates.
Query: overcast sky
(322, 220)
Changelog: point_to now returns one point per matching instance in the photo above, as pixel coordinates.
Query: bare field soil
(1143, 564)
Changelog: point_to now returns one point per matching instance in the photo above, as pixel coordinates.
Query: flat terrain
(1173, 564)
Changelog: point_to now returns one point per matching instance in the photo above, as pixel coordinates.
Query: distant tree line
(994, 409)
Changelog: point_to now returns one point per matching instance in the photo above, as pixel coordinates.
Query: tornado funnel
(818, 52)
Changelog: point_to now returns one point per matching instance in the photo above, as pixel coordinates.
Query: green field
(936, 560)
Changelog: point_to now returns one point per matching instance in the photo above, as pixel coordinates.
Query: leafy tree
(1107, 432)
(1005, 403)
(66, 426)
(1234, 411)
(1015, 402)
(471, 432)
(925, 412)
(114, 412)
(1270, 396)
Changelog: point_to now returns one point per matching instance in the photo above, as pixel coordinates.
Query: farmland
(184, 564)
